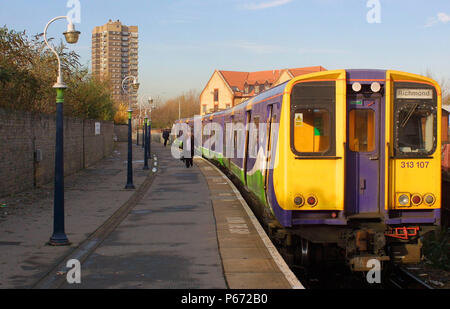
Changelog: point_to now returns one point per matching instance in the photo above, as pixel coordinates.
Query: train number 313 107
(412, 164)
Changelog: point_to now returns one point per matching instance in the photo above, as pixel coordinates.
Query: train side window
(235, 137)
(362, 130)
(312, 130)
(256, 132)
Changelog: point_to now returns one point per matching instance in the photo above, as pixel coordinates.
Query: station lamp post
(150, 103)
(59, 237)
(147, 134)
(135, 86)
(139, 125)
(143, 123)
(143, 131)
(145, 143)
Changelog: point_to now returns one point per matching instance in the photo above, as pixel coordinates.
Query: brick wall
(22, 133)
(121, 132)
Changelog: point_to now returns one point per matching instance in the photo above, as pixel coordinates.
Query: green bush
(436, 248)
(28, 70)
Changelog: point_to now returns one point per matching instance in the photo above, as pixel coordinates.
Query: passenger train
(347, 162)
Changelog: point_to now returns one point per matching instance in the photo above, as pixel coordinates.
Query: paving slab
(91, 196)
(250, 261)
(187, 228)
(167, 241)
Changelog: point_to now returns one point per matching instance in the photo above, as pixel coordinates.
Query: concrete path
(183, 228)
(250, 260)
(26, 220)
(167, 241)
(191, 230)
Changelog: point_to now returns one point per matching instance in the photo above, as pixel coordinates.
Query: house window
(204, 109)
(216, 95)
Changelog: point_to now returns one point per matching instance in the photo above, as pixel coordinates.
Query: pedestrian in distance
(189, 150)
(165, 136)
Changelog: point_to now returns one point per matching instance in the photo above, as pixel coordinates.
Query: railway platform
(183, 228)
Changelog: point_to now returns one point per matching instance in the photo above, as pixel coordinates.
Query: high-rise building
(115, 56)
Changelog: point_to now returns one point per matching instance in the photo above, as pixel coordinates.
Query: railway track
(401, 278)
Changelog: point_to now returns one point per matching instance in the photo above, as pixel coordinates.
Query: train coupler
(406, 253)
(364, 262)
(363, 245)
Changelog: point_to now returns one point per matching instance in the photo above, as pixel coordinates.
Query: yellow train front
(357, 164)
(347, 161)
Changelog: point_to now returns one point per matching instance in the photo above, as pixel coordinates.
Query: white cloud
(265, 5)
(441, 17)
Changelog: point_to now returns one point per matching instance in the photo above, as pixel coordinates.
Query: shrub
(28, 70)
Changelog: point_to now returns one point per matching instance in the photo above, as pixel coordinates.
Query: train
(339, 165)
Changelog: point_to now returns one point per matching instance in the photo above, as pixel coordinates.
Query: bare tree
(445, 86)
(167, 113)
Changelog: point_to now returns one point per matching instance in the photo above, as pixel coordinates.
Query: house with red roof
(226, 89)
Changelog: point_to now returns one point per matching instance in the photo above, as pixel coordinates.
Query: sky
(182, 42)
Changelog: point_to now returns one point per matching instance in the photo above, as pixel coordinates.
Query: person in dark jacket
(189, 150)
(165, 136)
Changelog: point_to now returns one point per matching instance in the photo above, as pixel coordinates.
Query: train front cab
(344, 160)
(331, 168)
(413, 144)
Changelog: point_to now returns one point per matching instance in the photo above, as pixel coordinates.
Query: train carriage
(347, 158)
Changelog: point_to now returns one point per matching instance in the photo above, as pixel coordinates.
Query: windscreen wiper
(403, 124)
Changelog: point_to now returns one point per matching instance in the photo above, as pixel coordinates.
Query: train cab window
(362, 130)
(313, 118)
(312, 130)
(415, 129)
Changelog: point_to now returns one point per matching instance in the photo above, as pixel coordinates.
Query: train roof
(271, 92)
(255, 99)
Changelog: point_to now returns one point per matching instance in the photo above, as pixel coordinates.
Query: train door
(363, 155)
(230, 137)
(247, 135)
(268, 145)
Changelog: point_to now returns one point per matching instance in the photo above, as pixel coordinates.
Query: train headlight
(356, 87)
(403, 199)
(299, 201)
(429, 199)
(375, 87)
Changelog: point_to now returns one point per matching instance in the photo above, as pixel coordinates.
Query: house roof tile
(239, 79)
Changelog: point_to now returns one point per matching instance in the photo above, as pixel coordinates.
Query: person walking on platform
(165, 136)
(189, 150)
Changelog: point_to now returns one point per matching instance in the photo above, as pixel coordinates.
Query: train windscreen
(415, 114)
